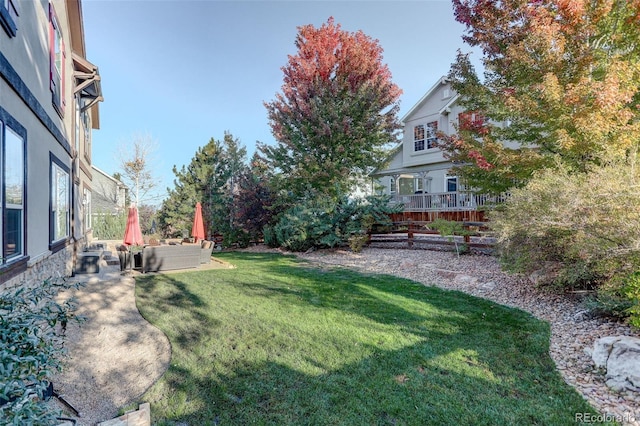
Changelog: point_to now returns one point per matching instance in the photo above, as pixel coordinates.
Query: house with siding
(418, 175)
(109, 195)
(49, 94)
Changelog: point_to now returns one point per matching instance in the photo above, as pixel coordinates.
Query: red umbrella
(198, 226)
(132, 233)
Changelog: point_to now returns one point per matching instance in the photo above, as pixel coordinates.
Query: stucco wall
(26, 97)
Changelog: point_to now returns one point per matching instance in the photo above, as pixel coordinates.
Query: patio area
(115, 355)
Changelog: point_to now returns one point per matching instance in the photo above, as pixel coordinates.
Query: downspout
(74, 206)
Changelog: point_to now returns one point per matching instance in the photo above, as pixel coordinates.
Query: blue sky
(185, 71)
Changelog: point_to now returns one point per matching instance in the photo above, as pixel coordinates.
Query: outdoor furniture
(124, 256)
(206, 247)
(164, 258)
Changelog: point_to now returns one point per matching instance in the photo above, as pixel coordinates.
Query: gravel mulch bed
(572, 328)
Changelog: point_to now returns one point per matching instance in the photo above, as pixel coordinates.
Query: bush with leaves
(32, 326)
(108, 226)
(326, 222)
(450, 229)
(589, 223)
(254, 201)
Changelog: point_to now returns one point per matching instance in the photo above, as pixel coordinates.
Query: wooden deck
(459, 206)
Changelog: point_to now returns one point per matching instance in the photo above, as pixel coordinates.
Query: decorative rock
(465, 279)
(446, 274)
(601, 350)
(488, 286)
(620, 355)
(581, 315)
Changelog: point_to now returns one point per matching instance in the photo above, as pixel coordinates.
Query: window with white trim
(12, 182)
(60, 223)
(451, 184)
(418, 138)
(431, 134)
(418, 184)
(86, 205)
(57, 56)
(392, 185)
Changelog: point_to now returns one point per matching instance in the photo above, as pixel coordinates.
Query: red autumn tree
(337, 111)
(563, 76)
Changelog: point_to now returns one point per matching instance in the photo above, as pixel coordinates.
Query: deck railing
(446, 201)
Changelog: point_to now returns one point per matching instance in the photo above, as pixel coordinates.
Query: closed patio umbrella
(132, 237)
(132, 233)
(197, 231)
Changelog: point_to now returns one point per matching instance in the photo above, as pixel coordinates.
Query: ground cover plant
(33, 322)
(278, 341)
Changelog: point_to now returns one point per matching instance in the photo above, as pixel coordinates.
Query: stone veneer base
(57, 266)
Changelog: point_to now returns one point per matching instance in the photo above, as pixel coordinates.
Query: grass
(277, 341)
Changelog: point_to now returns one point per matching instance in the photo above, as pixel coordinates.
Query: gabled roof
(390, 156)
(108, 176)
(442, 81)
(449, 104)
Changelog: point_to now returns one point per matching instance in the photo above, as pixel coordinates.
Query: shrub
(324, 222)
(589, 223)
(108, 226)
(236, 236)
(449, 229)
(357, 242)
(270, 236)
(610, 301)
(631, 291)
(32, 326)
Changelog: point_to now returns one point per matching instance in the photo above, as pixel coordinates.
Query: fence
(417, 234)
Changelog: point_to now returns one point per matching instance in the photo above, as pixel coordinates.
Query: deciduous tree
(564, 75)
(337, 111)
(136, 160)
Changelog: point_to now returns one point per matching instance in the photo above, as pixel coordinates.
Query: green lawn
(277, 341)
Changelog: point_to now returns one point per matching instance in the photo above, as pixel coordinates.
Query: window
(86, 205)
(59, 223)
(418, 185)
(432, 129)
(57, 62)
(12, 180)
(418, 137)
(9, 12)
(472, 121)
(451, 183)
(392, 185)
